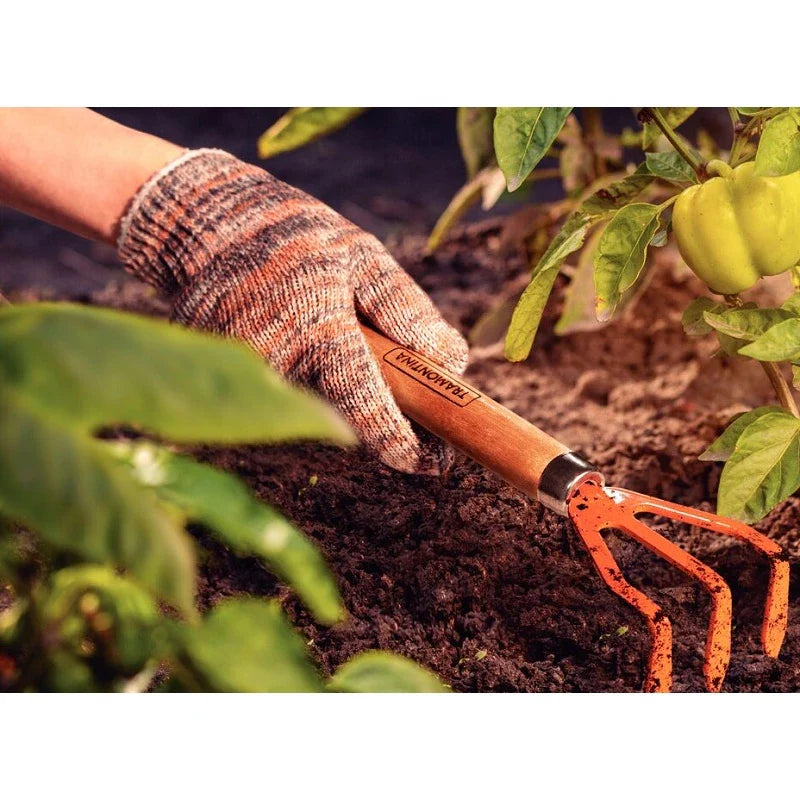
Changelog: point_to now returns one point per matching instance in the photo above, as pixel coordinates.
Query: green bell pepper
(736, 228)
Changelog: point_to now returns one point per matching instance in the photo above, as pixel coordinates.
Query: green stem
(781, 387)
(672, 138)
(772, 370)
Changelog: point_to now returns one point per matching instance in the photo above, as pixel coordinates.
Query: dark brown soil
(486, 587)
(463, 573)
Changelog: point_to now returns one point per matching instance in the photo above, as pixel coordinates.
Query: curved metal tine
(776, 606)
(588, 520)
(718, 638)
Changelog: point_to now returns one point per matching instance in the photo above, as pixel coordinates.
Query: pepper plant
(97, 568)
(735, 215)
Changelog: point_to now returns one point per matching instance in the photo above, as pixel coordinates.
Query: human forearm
(75, 168)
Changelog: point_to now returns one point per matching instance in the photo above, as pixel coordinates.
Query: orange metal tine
(776, 606)
(659, 669)
(593, 506)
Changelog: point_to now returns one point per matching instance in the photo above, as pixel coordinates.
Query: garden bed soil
(463, 573)
(471, 578)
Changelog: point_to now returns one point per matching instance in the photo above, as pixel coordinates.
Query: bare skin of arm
(74, 168)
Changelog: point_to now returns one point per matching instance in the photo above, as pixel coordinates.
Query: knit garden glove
(244, 255)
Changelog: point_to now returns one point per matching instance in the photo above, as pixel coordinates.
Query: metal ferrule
(561, 476)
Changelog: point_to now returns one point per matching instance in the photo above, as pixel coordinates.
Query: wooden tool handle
(457, 412)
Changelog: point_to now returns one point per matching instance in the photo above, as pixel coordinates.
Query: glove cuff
(189, 213)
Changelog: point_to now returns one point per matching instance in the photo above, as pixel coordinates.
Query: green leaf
(796, 376)
(492, 325)
(779, 147)
(621, 253)
(248, 645)
(722, 448)
(90, 367)
(750, 111)
(475, 129)
(300, 126)
(224, 504)
(737, 326)
(611, 198)
(674, 116)
(792, 304)
(599, 205)
(69, 489)
(693, 321)
(764, 468)
(576, 159)
(378, 672)
(522, 136)
(578, 312)
(670, 166)
(781, 342)
(528, 313)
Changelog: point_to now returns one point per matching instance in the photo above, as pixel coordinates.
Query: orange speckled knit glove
(244, 255)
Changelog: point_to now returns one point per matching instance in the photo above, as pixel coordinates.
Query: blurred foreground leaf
(89, 368)
(224, 504)
(376, 672)
(76, 495)
(248, 645)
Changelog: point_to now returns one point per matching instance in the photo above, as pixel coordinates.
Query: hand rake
(549, 472)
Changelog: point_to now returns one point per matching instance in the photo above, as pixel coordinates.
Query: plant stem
(781, 387)
(593, 132)
(666, 129)
(772, 370)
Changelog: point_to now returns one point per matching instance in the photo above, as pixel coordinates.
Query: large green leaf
(780, 342)
(248, 645)
(379, 672)
(89, 367)
(792, 304)
(736, 326)
(670, 166)
(475, 129)
(528, 313)
(223, 503)
(621, 253)
(723, 446)
(522, 136)
(673, 115)
(303, 125)
(81, 500)
(779, 147)
(764, 468)
(600, 204)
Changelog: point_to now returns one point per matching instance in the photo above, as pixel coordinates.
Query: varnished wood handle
(457, 412)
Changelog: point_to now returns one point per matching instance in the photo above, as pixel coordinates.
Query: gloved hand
(244, 255)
